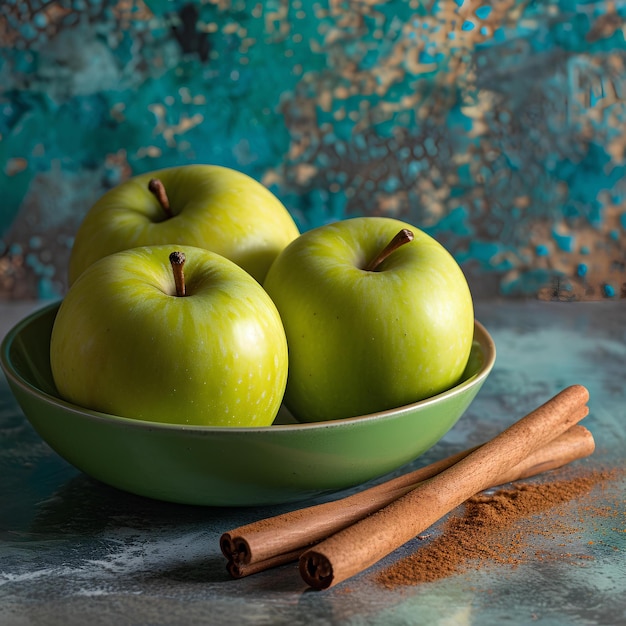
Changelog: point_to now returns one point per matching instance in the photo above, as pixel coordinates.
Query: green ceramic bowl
(282, 463)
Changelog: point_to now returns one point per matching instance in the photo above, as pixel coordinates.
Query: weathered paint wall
(496, 126)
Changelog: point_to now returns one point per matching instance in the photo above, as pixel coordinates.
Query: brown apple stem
(177, 259)
(157, 187)
(404, 236)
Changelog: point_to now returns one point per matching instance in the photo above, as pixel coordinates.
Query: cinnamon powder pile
(496, 528)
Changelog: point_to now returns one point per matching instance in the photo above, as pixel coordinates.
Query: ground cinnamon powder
(498, 528)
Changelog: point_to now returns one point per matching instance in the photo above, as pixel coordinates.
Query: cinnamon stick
(574, 444)
(266, 538)
(239, 570)
(361, 545)
(281, 539)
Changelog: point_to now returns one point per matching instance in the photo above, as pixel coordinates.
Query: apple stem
(177, 260)
(404, 236)
(157, 187)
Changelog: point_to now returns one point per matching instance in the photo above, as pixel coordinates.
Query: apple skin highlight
(126, 344)
(209, 206)
(367, 341)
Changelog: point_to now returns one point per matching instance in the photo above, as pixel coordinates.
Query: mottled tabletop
(75, 551)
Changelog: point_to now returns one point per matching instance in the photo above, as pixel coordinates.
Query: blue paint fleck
(457, 221)
(564, 242)
(608, 290)
(527, 284)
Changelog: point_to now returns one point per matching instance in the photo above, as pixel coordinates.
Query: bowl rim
(488, 348)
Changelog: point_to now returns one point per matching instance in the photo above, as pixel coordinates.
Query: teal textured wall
(498, 127)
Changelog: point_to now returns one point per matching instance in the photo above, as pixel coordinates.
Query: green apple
(140, 336)
(377, 314)
(206, 206)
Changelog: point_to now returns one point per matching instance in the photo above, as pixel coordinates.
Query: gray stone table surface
(77, 552)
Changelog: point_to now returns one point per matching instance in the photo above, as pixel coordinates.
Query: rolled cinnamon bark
(359, 546)
(281, 539)
(240, 570)
(264, 539)
(575, 443)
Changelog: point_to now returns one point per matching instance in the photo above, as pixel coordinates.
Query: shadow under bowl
(286, 462)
